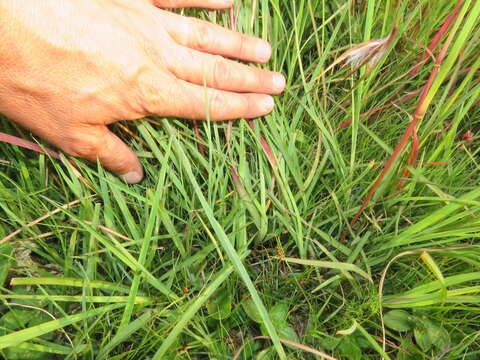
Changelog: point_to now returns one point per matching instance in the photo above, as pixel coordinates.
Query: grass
(250, 249)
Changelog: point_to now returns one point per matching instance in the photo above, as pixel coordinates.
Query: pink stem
(27, 145)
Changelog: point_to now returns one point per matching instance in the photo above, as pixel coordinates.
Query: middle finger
(223, 74)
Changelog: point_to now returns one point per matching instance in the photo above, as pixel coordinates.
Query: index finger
(215, 39)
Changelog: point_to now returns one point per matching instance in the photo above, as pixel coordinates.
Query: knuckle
(218, 105)
(147, 98)
(140, 92)
(222, 73)
(154, 99)
(203, 37)
(256, 78)
(133, 70)
(241, 43)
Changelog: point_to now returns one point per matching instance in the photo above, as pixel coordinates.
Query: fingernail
(268, 104)
(279, 82)
(131, 177)
(264, 51)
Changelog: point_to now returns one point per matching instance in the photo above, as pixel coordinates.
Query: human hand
(68, 68)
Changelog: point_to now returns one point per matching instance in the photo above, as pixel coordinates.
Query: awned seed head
(367, 53)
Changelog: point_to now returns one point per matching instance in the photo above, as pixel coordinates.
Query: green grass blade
(33, 332)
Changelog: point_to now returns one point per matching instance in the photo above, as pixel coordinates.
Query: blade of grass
(330, 265)
(33, 332)
(71, 282)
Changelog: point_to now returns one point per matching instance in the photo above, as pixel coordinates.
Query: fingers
(220, 73)
(208, 4)
(214, 39)
(97, 142)
(190, 101)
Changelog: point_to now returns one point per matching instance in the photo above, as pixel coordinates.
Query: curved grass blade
(331, 265)
(33, 332)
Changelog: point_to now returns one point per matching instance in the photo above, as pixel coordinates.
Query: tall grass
(311, 231)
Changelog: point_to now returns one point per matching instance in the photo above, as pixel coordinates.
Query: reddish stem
(268, 151)
(413, 157)
(417, 117)
(27, 145)
(438, 36)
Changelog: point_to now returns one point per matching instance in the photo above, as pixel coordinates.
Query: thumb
(98, 143)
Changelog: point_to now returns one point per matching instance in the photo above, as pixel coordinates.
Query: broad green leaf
(287, 332)
(279, 312)
(406, 349)
(398, 320)
(265, 355)
(284, 329)
(330, 342)
(438, 334)
(423, 337)
(40, 318)
(251, 310)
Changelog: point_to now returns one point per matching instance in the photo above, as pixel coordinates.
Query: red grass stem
(411, 129)
(9, 139)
